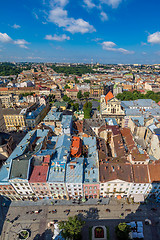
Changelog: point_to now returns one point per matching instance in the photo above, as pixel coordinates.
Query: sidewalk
(104, 201)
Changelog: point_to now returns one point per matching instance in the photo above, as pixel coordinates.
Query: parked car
(80, 211)
(128, 210)
(54, 211)
(67, 211)
(38, 211)
(108, 210)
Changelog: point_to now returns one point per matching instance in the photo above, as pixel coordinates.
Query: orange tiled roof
(76, 147)
(109, 96)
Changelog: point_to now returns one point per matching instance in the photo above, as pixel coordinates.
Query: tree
(76, 80)
(87, 108)
(51, 97)
(66, 98)
(79, 94)
(66, 86)
(86, 94)
(122, 231)
(76, 107)
(72, 228)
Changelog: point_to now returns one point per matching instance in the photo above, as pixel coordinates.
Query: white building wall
(139, 188)
(22, 188)
(75, 190)
(58, 189)
(115, 188)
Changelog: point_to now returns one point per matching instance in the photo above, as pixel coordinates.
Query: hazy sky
(107, 31)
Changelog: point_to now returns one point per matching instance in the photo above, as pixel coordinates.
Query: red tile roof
(71, 90)
(39, 174)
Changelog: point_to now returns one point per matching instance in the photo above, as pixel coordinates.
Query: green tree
(66, 86)
(79, 95)
(76, 80)
(87, 108)
(76, 107)
(66, 98)
(72, 228)
(86, 94)
(122, 231)
(87, 81)
(51, 97)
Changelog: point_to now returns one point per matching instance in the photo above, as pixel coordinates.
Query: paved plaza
(19, 216)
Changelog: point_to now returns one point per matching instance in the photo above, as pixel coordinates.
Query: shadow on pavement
(47, 235)
(128, 213)
(4, 207)
(91, 214)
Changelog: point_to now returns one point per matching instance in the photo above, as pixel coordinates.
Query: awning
(138, 197)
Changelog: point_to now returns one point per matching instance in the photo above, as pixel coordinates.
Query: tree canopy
(66, 98)
(86, 94)
(7, 69)
(127, 96)
(75, 70)
(87, 108)
(66, 86)
(72, 228)
(122, 231)
(79, 94)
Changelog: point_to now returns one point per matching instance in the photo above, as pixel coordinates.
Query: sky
(83, 31)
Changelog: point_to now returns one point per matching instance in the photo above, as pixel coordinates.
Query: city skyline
(107, 31)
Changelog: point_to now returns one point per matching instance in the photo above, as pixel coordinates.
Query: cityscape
(79, 120)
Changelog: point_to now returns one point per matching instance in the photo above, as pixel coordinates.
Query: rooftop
(19, 169)
(39, 174)
(111, 170)
(109, 96)
(74, 171)
(53, 116)
(154, 170)
(91, 172)
(140, 173)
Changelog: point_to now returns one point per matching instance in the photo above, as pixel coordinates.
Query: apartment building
(14, 118)
(74, 178)
(39, 175)
(57, 171)
(91, 171)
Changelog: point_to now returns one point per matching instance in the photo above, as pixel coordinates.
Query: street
(24, 217)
